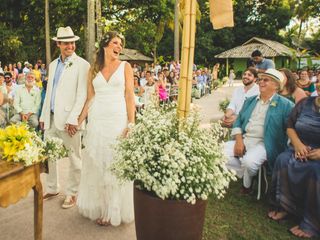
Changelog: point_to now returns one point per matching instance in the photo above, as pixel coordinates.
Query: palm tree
(304, 10)
(47, 34)
(173, 20)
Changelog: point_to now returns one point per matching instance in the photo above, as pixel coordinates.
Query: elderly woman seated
(296, 176)
(260, 129)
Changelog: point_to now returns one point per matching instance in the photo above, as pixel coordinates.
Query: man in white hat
(26, 68)
(260, 129)
(65, 97)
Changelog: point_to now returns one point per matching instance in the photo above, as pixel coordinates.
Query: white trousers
(73, 144)
(247, 166)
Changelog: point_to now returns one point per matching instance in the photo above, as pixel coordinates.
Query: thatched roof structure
(267, 47)
(132, 55)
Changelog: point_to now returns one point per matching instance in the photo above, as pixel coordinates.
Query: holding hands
(314, 154)
(71, 129)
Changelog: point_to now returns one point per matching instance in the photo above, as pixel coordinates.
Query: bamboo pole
(187, 57)
(227, 67)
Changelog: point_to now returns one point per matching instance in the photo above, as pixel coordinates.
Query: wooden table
(15, 183)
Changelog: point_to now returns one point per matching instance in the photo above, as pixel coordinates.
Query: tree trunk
(98, 20)
(176, 31)
(91, 30)
(299, 33)
(155, 53)
(47, 33)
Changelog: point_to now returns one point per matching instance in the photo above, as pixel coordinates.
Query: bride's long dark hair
(99, 57)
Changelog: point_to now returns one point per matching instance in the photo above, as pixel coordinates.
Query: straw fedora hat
(275, 75)
(65, 34)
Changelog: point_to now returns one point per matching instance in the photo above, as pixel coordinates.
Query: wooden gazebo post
(187, 57)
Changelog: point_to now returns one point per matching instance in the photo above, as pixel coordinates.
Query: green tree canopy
(146, 24)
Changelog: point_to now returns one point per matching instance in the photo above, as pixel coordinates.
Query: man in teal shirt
(260, 129)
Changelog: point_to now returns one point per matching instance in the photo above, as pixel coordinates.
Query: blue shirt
(265, 64)
(200, 79)
(56, 79)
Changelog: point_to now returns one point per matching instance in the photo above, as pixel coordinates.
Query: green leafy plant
(223, 105)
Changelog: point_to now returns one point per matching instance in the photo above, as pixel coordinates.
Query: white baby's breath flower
(174, 159)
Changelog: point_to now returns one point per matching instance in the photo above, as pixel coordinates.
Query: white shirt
(157, 69)
(239, 96)
(143, 82)
(255, 127)
(25, 70)
(26, 101)
(314, 79)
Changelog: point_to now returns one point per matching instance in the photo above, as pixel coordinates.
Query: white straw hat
(275, 75)
(65, 34)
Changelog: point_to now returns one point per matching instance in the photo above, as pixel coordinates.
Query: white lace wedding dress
(100, 194)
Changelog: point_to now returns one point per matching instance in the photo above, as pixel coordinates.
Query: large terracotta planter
(158, 219)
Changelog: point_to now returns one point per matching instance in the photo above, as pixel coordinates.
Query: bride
(110, 109)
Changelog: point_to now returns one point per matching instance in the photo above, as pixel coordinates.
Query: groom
(65, 97)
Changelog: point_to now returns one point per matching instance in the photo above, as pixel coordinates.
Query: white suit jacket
(71, 93)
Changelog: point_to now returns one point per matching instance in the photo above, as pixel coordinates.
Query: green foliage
(142, 22)
(24, 32)
(10, 42)
(147, 25)
(140, 35)
(224, 104)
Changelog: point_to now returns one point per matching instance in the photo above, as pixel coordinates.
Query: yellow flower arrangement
(18, 143)
(13, 139)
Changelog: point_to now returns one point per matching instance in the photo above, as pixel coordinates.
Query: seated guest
(240, 94)
(27, 102)
(172, 79)
(290, 89)
(10, 86)
(296, 175)
(37, 73)
(161, 87)
(150, 91)
(3, 88)
(138, 92)
(2, 101)
(260, 129)
(305, 83)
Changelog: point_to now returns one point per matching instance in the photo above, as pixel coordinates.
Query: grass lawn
(242, 217)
